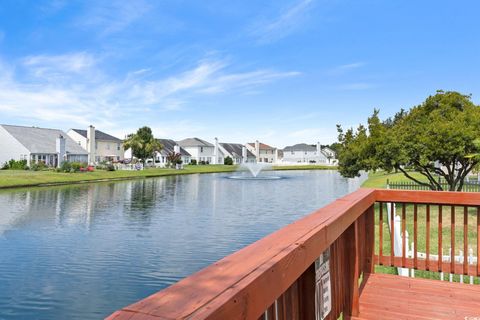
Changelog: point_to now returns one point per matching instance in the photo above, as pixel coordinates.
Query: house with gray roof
(238, 152)
(170, 146)
(303, 153)
(50, 146)
(200, 150)
(101, 146)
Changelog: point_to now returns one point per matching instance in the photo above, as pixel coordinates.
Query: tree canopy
(439, 138)
(143, 144)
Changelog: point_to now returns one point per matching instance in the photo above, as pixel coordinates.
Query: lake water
(82, 252)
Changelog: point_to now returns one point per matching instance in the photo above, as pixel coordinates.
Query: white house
(170, 146)
(200, 150)
(50, 146)
(306, 153)
(263, 152)
(238, 152)
(105, 148)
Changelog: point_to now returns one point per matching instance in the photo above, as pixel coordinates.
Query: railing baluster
(404, 244)
(478, 241)
(380, 234)
(440, 251)
(415, 240)
(465, 240)
(452, 240)
(392, 233)
(427, 245)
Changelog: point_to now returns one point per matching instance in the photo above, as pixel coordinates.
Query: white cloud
(53, 66)
(283, 25)
(345, 68)
(82, 97)
(113, 16)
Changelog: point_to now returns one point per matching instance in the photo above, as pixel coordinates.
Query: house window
(108, 146)
(118, 146)
(96, 145)
(201, 149)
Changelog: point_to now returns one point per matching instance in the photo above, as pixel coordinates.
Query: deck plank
(393, 297)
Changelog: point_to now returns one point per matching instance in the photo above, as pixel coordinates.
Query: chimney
(91, 144)
(215, 152)
(244, 154)
(176, 149)
(319, 148)
(257, 150)
(61, 151)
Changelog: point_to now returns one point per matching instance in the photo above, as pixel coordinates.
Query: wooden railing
(274, 278)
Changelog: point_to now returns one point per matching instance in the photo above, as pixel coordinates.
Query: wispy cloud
(283, 25)
(81, 99)
(345, 68)
(113, 16)
(54, 66)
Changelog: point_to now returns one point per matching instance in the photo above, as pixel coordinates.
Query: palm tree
(143, 144)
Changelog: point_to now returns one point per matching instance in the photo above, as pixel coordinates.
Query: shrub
(193, 162)
(66, 166)
(202, 162)
(110, 167)
(14, 165)
(228, 161)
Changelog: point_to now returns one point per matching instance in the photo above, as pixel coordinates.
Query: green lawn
(21, 178)
(379, 179)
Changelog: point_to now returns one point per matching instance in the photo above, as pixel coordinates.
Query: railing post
(369, 265)
(351, 307)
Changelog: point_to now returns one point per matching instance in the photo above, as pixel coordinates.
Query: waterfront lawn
(379, 179)
(25, 178)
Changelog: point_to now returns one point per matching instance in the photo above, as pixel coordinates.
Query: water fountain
(254, 170)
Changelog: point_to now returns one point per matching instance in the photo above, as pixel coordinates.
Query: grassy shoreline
(10, 179)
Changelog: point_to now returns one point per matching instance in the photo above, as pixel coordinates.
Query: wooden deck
(393, 297)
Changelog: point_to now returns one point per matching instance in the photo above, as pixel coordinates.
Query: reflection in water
(82, 252)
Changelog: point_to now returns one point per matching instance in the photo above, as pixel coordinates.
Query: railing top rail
(264, 269)
(428, 197)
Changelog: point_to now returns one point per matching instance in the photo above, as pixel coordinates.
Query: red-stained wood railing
(274, 278)
(450, 253)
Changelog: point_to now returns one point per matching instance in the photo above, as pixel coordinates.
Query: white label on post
(323, 289)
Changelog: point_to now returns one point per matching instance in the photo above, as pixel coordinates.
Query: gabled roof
(43, 140)
(99, 135)
(168, 147)
(194, 142)
(235, 149)
(300, 147)
(262, 146)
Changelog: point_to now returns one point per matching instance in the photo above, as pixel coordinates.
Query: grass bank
(21, 178)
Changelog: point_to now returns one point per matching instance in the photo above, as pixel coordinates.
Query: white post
(412, 254)
(450, 276)
(244, 154)
(461, 259)
(470, 261)
(257, 150)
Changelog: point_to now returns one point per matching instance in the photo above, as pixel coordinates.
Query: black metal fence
(468, 186)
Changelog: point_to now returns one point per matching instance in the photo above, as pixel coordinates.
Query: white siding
(10, 148)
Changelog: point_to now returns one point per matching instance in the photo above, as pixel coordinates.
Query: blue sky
(280, 71)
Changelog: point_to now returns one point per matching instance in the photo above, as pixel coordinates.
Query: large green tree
(143, 144)
(440, 137)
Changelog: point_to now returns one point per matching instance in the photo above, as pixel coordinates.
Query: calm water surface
(82, 252)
